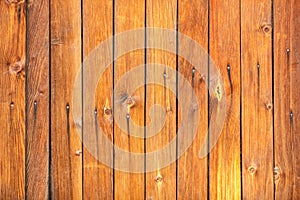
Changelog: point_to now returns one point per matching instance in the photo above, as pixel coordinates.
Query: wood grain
(37, 95)
(257, 103)
(97, 27)
(129, 15)
(224, 161)
(161, 184)
(12, 99)
(66, 166)
(286, 93)
(192, 171)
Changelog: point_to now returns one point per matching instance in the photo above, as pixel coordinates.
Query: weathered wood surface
(192, 171)
(254, 44)
(12, 99)
(286, 99)
(37, 97)
(224, 160)
(257, 103)
(65, 40)
(97, 27)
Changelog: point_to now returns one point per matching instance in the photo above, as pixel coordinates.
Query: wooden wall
(254, 43)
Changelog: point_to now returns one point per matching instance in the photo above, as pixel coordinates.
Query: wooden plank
(37, 137)
(257, 131)
(286, 95)
(192, 171)
(224, 161)
(98, 26)
(129, 185)
(66, 165)
(12, 99)
(161, 184)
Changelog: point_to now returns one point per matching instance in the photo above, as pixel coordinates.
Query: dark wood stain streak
(69, 150)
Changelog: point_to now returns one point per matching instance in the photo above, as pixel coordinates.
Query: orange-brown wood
(286, 93)
(192, 171)
(129, 15)
(224, 160)
(257, 104)
(37, 137)
(12, 99)
(98, 27)
(66, 163)
(161, 184)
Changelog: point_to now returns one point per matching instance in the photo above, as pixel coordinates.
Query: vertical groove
(273, 81)
(50, 119)
(208, 100)
(113, 95)
(145, 101)
(241, 99)
(177, 71)
(26, 98)
(82, 79)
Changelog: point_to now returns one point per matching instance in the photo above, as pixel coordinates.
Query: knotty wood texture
(129, 15)
(12, 99)
(37, 137)
(254, 44)
(192, 171)
(257, 102)
(224, 160)
(66, 165)
(161, 184)
(286, 94)
(97, 27)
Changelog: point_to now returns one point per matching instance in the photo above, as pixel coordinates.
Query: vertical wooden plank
(257, 134)
(161, 184)
(192, 171)
(65, 36)
(37, 138)
(12, 99)
(97, 27)
(286, 95)
(129, 15)
(224, 163)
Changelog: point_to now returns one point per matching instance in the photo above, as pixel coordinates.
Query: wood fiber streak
(66, 165)
(37, 137)
(12, 99)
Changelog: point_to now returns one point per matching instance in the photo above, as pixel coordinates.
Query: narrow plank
(286, 84)
(66, 166)
(161, 184)
(97, 27)
(224, 163)
(37, 138)
(129, 15)
(192, 171)
(257, 131)
(12, 99)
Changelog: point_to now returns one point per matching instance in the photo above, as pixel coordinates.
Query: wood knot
(12, 105)
(107, 111)
(269, 106)
(252, 169)
(158, 179)
(276, 173)
(130, 102)
(16, 68)
(266, 28)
